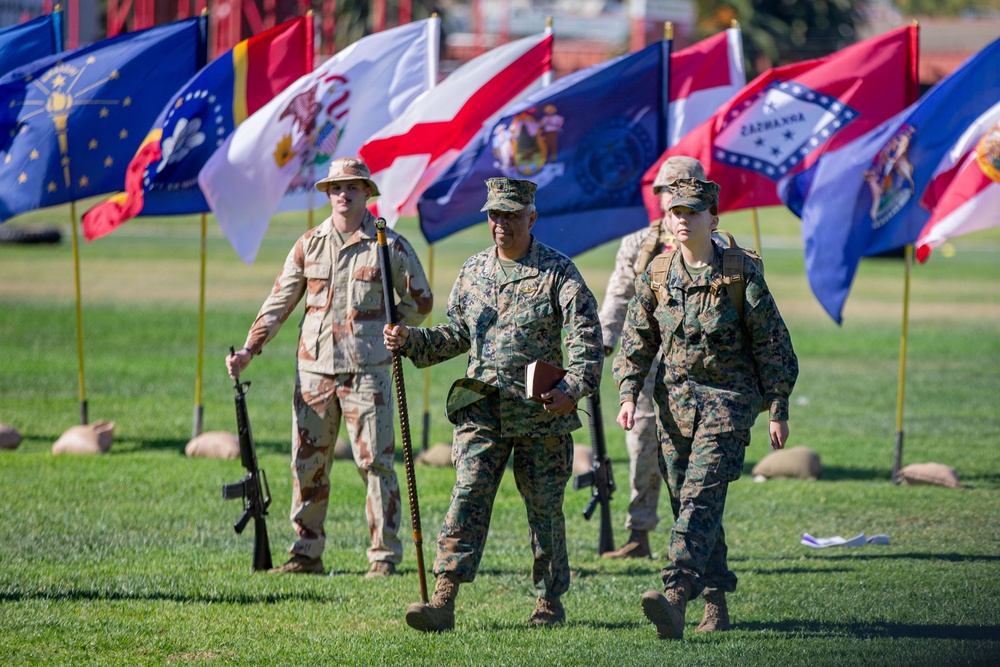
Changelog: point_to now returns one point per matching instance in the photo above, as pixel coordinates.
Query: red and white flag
(406, 154)
(964, 193)
(328, 113)
(703, 77)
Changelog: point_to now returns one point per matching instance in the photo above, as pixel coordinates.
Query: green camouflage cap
(463, 393)
(694, 193)
(508, 194)
(678, 166)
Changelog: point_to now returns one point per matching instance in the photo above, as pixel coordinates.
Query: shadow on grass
(950, 557)
(77, 594)
(873, 630)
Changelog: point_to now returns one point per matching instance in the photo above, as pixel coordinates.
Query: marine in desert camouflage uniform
(510, 305)
(343, 369)
(634, 254)
(714, 369)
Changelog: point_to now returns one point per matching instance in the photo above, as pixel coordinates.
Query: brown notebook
(540, 377)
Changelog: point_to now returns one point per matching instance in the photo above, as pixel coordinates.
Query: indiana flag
(422, 142)
(864, 198)
(585, 140)
(970, 200)
(703, 77)
(327, 113)
(785, 118)
(162, 178)
(70, 123)
(22, 43)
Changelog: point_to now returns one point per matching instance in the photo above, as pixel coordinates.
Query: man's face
(688, 225)
(512, 232)
(347, 196)
(665, 199)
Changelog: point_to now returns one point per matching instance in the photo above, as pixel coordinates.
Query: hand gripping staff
(404, 416)
(253, 488)
(599, 477)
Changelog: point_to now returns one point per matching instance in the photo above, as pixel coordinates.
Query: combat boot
(299, 564)
(438, 615)
(666, 610)
(548, 611)
(636, 547)
(716, 618)
(381, 568)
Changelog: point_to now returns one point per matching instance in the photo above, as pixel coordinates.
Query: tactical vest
(656, 242)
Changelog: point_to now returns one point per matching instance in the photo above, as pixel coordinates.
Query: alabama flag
(327, 113)
(784, 119)
(408, 153)
(965, 193)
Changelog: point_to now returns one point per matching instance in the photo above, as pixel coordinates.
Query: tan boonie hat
(348, 169)
(508, 194)
(679, 166)
(694, 193)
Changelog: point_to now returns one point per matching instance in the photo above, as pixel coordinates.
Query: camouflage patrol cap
(508, 194)
(348, 169)
(679, 166)
(695, 194)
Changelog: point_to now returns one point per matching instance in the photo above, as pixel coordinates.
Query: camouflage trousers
(363, 400)
(644, 455)
(698, 471)
(542, 467)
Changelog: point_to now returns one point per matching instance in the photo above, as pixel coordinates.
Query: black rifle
(253, 487)
(599, 477)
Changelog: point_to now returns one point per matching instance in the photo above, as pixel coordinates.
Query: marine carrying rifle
(253, 488)
(599, 477)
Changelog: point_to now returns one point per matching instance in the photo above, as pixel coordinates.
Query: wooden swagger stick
(404, 416)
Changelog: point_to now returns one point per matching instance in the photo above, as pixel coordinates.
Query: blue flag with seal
(31, 40)
(585, 140)
(70, 123)
(864, 198)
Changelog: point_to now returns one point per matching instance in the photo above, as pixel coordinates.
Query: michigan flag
(31, 40)
(585, 141)
(70, 123)
(162, 178)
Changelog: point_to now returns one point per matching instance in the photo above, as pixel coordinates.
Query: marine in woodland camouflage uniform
(709, 388)
(508, 309)
(634, 254)
(343, 368)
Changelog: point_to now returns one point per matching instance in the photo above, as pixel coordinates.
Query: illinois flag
(785, 118)
(162, 178)
(70, 123)
(22, 43)
(585, 140)
(864, 198)
(969, 198)
(327, 113)
(426, 139)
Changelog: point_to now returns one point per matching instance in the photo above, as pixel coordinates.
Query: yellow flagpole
(897, 461)
(199, 408)
(756, 232)
(425, 443)
(79, 313)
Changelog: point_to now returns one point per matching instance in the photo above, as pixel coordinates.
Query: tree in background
(778, 32)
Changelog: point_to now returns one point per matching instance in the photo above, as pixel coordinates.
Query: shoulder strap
(732, 276)
(650, 247)
(658, 270)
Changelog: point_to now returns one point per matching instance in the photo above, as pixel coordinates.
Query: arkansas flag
(785, 118)
(406, 154)
(970, 201)
(327, 113)
(703, 77)
(864, 198)
(162, 178)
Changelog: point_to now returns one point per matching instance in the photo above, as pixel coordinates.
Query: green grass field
(130, 558)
